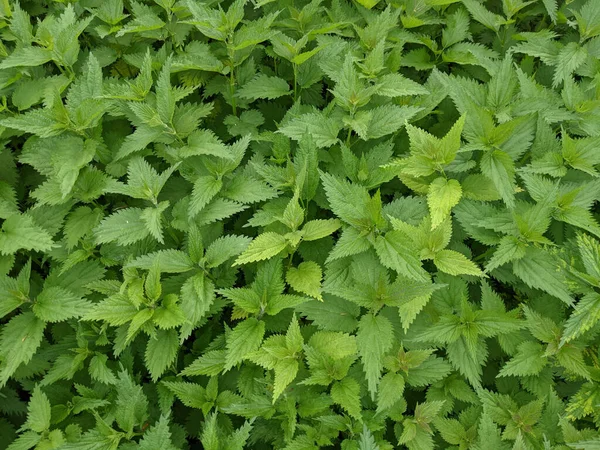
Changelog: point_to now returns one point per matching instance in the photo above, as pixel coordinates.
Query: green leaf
(55, 304)
(395, 252)
(374, 338)
(25, 441)
(190, 394)
(264, 246)
(157, 437)
(38, 412)
(333, 314)
(306, 278)
(80, 223)
(390, 391)
(205, 188)
(499, 167)
(99, 371)
(19, 231)
(246, 337)
(27, 57)
(264, 86)
(585, 315)
(346, 393)
(383, 120)
(588, 19)
(317, 229)
(395, 85)
(529, 360)
(124, 227)
(168, 261)
(323, 130)
(224, 248)
(539, 270)
(10, 296)
(19, 340)
(455, 263)
(368, 3)
(347, 200)
(443, 194)
(132, 404)
(483, 15)
(197, 297)
(161, 351)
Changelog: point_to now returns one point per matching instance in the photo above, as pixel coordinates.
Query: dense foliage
(295, 225)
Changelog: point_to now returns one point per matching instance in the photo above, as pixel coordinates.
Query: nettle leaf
(264, 86)
(318, 229)
(205, 188)
(224, 248)
(394, 251)
(348, 201)
(442, 196)
(232, 225)
(499, 167)
(125, 227)
(19, 340)
(323, 130)
(374, 338)
(539, 269)
(161, 352)
(390, 390)
(243, 339)
(38, 412)
(264, 246)
(20, 231)
(158, 437)
(455, 263)
(55, 304)
(346, 394)
(306, 278)
(132, 403)
(529, 360)
(583, 318)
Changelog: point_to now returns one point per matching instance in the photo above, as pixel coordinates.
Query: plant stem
(232, 90)
(295, 82)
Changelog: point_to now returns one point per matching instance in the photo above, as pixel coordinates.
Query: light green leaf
(264, 86)
(246, 337)
(306, 278)
(205, 188)
(390, 390)
(38, 412)
(161, 351)
(131, 404)
(224, 248)
(539, 270)
(19, 340)
(157, 437)
(456, 263)
(168, 261)
(264, 246)
(499, 167)
(55, 304)
(324, 130)
(317, 229)
(125, 227)
(583, 318)
(19, 231)
(394, 251)
(346, 393)
(374, 338)
(443, 194)
(529, 360)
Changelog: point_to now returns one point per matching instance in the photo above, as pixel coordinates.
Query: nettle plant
(293, 225)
